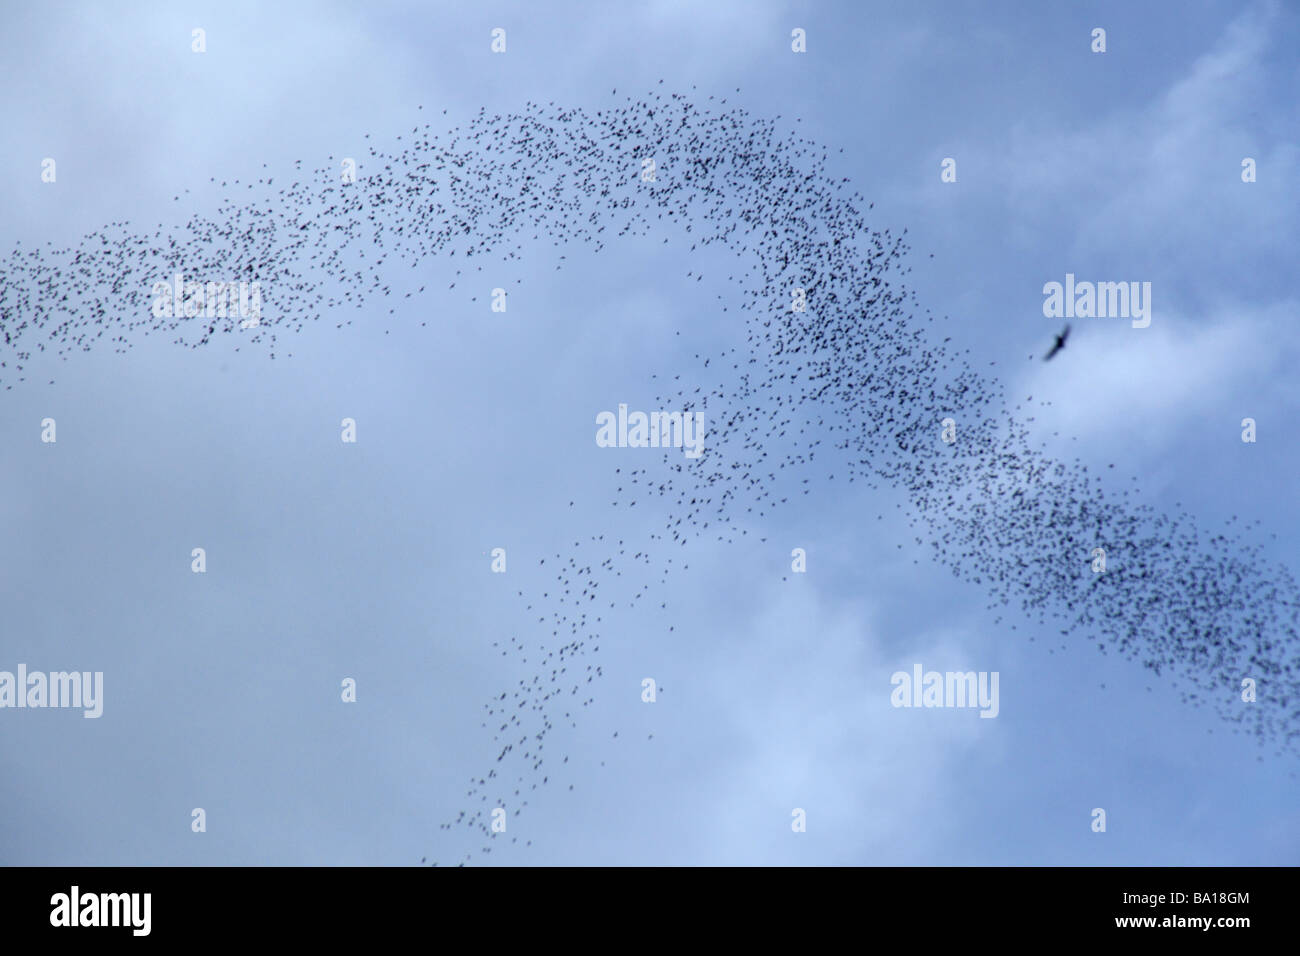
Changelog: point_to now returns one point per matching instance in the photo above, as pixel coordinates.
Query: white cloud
(1116, 383)
(1135, 182)
(811, 695)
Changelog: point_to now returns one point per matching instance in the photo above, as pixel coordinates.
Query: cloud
(1140, 386)
(806, 706)
(1147, 183)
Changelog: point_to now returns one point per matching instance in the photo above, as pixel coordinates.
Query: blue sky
(475, 431)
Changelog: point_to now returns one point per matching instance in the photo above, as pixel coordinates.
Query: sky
(371, 560)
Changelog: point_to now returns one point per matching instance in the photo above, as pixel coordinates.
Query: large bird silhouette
(1058, 345)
